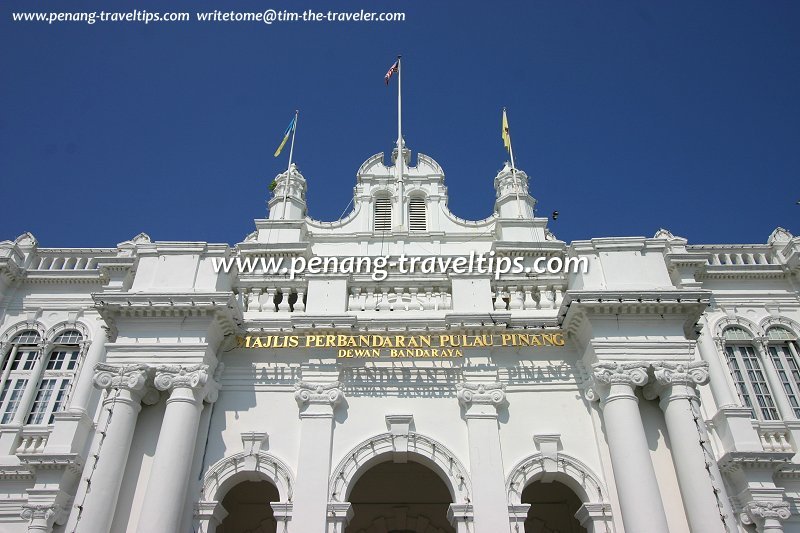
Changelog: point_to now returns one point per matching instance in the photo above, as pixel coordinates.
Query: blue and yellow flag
(286, 136)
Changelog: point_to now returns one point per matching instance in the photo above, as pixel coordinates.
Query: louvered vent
(383, 214)
(416, 214)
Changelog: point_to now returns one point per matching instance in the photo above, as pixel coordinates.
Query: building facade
(146, 389)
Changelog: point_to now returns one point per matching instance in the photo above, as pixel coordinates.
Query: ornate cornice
(755, 460)
(491, 393)
(758, 512)
(318, 393)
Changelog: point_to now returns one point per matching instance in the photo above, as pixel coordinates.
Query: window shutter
(416, 214)
(383, 214)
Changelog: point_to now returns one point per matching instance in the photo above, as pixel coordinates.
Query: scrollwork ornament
(613, 373)
(131, 377)
(318, 393)
(187, 376)
(756, 513)
(45, 513)
(689, 373)
(481, 393)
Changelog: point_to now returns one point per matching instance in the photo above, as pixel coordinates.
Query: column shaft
(127, 386)
(722, 392)
(162, 508)
(637, 486)
(697, 491)
(82, 393)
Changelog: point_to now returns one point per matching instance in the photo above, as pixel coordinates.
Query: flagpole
(514, 173)
(289, 169)
(400, 160)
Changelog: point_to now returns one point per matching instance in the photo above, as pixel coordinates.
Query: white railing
(775, 439)
(32, 440)
(511, 297)
(382, 298)
(272, 299)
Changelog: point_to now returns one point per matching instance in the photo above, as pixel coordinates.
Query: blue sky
(629, 116)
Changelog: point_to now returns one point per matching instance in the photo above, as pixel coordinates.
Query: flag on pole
(505, 133)
(286, 136)
(394, 68)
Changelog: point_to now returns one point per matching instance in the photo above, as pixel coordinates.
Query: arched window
(417, 218)
(748, 374)
(57, 379)
(382, 220)
(18, 364)
(782, 346)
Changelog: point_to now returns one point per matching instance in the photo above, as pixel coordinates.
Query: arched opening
(248, 507)
(400, 498)
(553, 508)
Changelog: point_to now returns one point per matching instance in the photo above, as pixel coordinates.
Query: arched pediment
(380, 448)
(247, 466)
(568, 470)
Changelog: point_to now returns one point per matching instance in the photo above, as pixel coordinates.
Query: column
(675, 384)
(766, 516)
(480, 401)
(82, 394)
(127, 387)
(637, 487)
(317, 402)
(188, 386)
(40, 517)
(723, 394)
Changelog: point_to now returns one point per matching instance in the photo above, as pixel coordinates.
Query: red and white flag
(392, 70)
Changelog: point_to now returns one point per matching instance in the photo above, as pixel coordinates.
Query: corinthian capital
(40, 516)
(693, 373)
(765, 514)
(612, 373)
(132, 377)
(318, 393)
(480, 393)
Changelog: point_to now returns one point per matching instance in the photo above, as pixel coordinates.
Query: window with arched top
(382, 216)
(782, 347)
(417, 216)
(18, 363)
(59, 373)
(748, 374)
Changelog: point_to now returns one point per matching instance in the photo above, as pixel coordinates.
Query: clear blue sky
(629, 116)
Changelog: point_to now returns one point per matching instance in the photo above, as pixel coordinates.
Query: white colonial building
(143, 391)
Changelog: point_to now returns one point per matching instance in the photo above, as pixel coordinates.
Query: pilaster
(480, 401)
(317, 402)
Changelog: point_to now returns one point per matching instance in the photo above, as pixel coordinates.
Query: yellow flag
(505, 134)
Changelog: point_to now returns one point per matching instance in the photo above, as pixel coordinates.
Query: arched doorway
(553, 508)
(400, 498)
(248, 507)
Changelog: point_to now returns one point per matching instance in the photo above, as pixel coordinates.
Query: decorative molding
(246, 465)
(41, 517)
(307, 393)
(421, 449)
(132, 377)
(758, 512)
(490, 393)
(669, 374)
(569, 470)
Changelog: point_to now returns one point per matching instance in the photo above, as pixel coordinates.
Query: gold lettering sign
(393, 346)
